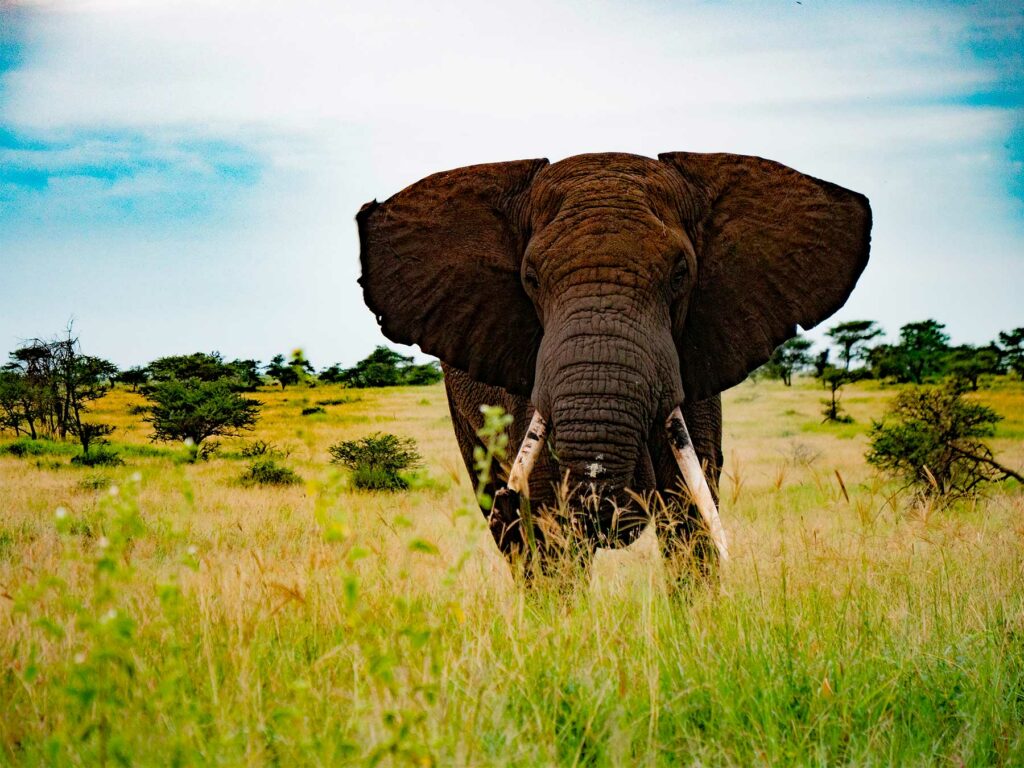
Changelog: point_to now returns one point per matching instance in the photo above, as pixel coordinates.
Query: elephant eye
(530, 278)
(679, 274)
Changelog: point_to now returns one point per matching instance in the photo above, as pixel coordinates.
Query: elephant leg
(465, 398)
(685, 544)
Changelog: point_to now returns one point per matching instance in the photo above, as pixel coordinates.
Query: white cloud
(348, 101)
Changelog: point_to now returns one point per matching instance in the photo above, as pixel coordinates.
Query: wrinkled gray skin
(605, 290)
(656, 469)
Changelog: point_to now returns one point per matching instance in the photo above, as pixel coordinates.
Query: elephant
(605, 301)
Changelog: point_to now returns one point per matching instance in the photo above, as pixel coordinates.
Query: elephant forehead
(614, 179)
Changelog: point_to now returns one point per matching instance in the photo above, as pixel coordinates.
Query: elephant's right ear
(777, 248)
(440, 268)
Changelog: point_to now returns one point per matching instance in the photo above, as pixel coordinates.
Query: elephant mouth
(682, 449)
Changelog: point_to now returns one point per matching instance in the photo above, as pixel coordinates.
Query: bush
(25, 446)
(258, 448)
(933, 440)
(100, 456)
(266, 471)
(94, 482)
(313, 411)
(376, 460)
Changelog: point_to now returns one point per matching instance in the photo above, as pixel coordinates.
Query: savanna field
(162, 613)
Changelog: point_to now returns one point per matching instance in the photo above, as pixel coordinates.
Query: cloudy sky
(182, 176)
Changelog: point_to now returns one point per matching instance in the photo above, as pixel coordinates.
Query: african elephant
(605, 301)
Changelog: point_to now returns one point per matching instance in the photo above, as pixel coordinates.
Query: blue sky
(183, 176)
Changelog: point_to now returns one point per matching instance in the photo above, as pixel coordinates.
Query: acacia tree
(933, 438)
(194, 410)
(1011, 347)
(923, 348)
(282, 372)
(242, 375)
(134, 377)
(48, 386)
(852, 338)
(788, 358)
(15, 403)
(967, 364)
(834, 379)
(385, 367)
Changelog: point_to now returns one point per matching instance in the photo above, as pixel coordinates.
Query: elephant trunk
(604, 382)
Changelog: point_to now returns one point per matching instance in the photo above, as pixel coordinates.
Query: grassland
(159, 613)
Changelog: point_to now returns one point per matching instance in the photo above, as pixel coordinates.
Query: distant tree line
(381, 368)
(47, 386)
(921, 354)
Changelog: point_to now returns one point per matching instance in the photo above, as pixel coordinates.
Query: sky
(184, 176)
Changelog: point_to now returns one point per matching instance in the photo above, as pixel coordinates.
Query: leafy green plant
(376, 460)
(99, 456)
(258, 448)
(194, 410)
(384, 367)
(339, 401)
(99, 628)
(266, 471)
(25, 446)
(788, 358)
(933, 439)
(835, 379)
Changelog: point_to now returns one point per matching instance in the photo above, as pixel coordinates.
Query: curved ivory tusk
(518, 478)
(696, 482)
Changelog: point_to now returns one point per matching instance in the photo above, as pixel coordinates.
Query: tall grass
(176, 618)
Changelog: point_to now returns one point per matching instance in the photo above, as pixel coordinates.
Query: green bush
(339, 401)
(313, 411)
(25, 446)
(266, 471)
(376, 460)
(94, 482)
(100, 456)
(933, 439)
(261, 448)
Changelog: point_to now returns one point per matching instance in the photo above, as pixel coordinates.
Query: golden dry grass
(314, 624)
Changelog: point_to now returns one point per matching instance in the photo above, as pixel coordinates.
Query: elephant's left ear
(775, 248)
(440, 268)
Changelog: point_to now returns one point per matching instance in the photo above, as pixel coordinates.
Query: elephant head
(609, 288)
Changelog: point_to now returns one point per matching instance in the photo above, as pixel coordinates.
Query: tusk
(518, 478)
(696, 482)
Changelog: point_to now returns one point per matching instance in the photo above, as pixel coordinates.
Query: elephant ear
(440, 268)
(775, 248)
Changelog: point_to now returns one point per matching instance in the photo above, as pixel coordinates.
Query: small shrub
(312, 411)
(94, 482)
(207, 450)
(100, 456)
(266, 471)
(339, 401)
(258, 448)
(25, 446)
(138, 410)
(933, 441)
(376, 460)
